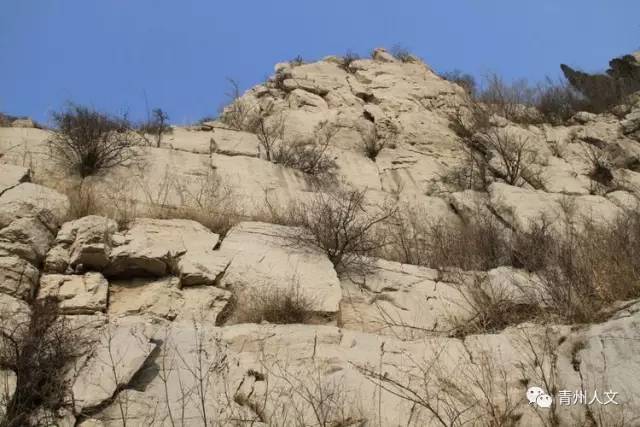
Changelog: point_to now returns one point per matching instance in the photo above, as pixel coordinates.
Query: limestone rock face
(151, 247)
(263, 255)
(27, 238)
(11, 175)
(403, 301)
(163, 299)
(117, 357)
(85, 242)
(76, 294)
(28, 199)
(14, 314)
(18, 278)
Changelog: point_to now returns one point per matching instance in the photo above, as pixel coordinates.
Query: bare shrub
(274, 305)
(480, 244)
(492, 308)
(402, 54)
(473, 172)
(346, 61)
(476, 393)
(297, 61)
(373, 141)
(511, 101)
(157, 125)
(87, 142)
(310, 156)
(515, 156)
(558, 102)
(38, 353)
(239, 114)
(210, 201)
(464, 80)
(600, 166)
(471, 119)
(342, 225)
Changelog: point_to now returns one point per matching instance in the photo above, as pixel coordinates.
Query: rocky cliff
(158, 267)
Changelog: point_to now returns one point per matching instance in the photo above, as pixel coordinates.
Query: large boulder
(266, 256)
(83, 243)
(11, 175)
(119, 354)
(76, 294)
(18, 277)
(27, 238)
(27, 199)
(403, 301)
(163, 299)
(152, 247)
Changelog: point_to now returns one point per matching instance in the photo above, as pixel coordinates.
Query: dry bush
(478, 392)
(211, 201)
(341, 225)
(515, 156)
(274, 305)
(239, 114)
(402, 54)
(600, 172)
(492, 308)
(373, 142)
(157, 125)
(310, 156)
(87, 142)
(297, 61)
(464, 80)
(480, 244)
(558, 102)
(347, 60)
(473, 173)
(511, 101)
(38, 353)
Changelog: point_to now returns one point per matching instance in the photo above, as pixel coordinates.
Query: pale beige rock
(301, 99)
(14, 315)
(18, 278)
(83, 243)
(558, 176)
(120, 353)
(523, 208)
(27, 238)
(201, 268)
(152, 246)
(262, 255)
(624, 200)
(76, 294)
(11, 175)
(401, 300)
(29, 199)
(23, 123)
(163, 299)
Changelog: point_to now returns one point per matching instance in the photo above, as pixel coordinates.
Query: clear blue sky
(109, 53)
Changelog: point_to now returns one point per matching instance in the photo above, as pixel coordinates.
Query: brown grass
(273, 305)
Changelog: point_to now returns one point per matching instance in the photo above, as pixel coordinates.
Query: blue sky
(110, 53)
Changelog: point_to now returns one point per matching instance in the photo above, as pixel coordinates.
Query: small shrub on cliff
(310, 155)
(87, 142)
(274, 305)
(157, 125)
(37, 352)
(342, 225)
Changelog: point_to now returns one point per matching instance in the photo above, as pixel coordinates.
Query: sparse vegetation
(87, 142)
(401, 53)
(465, 80)
(37, 352)
(157, 125)
(310, 156)
(373, 142)
(274, 305)
(239, 114)
(342, 225)
(348, 59)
